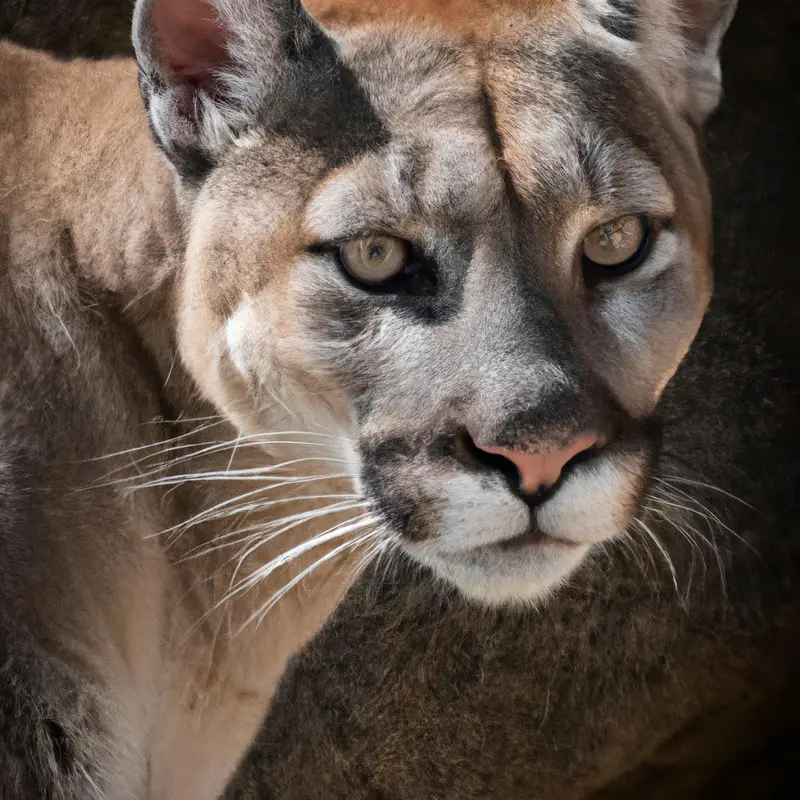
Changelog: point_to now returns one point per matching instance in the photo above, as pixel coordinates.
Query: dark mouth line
(533, 537)
(530, 538)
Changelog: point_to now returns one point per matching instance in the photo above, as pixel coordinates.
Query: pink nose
(537, 470)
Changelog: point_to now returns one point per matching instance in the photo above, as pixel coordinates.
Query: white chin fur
(512, 577)
(594, 502)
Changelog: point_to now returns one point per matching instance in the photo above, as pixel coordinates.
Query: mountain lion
(340, 289)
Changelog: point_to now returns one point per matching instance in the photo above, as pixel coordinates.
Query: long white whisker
(213, 448)
(663, 551)
(223, 509)
(181, 420)
(233, 451)
(278, 596)
(372, 553)
(632, 548)
(691, 539)
(704, 511)
(695, 548)
(690, 481)
(293, 552)
(261, 539)
(258, 437)
(333, 533)
(710, 543)
(118, 453)
(251, 474)
(257, 532)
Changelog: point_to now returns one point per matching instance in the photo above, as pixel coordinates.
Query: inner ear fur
(207, 67)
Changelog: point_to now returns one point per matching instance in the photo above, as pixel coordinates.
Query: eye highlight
(375, 259)
(617, 246)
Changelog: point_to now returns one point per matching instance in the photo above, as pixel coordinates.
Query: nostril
(470, 455)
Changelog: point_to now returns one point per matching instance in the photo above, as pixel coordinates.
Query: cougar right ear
(704, 24)
(206, 67)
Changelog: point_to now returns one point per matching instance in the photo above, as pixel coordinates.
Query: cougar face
(478, 258)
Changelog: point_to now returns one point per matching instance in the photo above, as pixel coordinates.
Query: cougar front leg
(61, 735)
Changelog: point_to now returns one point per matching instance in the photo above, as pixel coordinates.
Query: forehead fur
(486, 19)
(471, 16)
(565, 105)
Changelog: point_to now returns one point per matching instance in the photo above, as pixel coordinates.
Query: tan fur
(86, 199)
(196, 699)
(475, 17)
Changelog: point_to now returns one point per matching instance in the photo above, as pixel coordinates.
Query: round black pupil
(375, 252)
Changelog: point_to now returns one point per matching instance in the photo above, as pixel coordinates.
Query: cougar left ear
(207, 67)
(704, 24)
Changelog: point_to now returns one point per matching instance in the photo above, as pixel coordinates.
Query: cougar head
(479, 255)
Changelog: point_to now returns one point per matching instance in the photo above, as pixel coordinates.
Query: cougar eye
(617, 246)
(374, 259)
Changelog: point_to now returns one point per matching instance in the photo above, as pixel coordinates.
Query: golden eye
(374, 259)
(619, 245)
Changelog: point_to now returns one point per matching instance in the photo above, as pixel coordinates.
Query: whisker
(251, 532)
(695, 549)
(667, 479)
(278, 596)
(261, 539)
(299, 549)
(704, 511)
(233, 451)
(224, 507)
(250, 474)
(633, 549)
(171, 368)
(118, 453)
(373, 553)
(206, 449)
(294, 552)
(691, 539)
(180, 419)
(657, 542)
(336, 532)
(266, 436)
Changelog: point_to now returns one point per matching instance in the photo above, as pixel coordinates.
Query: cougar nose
(542, 470)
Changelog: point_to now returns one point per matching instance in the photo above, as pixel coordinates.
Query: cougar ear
(704, 24)
(207, 67)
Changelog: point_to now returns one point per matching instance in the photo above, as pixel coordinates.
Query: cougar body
(96, 595)
(189, 351)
